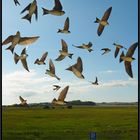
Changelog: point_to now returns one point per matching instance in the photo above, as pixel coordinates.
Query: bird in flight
(85, 46)
(118, 47)
(17, 39)
(96, 82)
(61, 97)
(41, 61)
(106, 50)
(64, 51)
(77, 68)
(56, 87)
(103, 22)
(22, 57)
(51, 70)
(16, 2)
(23, 102)
(66, 27)
(32, 9)
(128, 58)
(57, 9)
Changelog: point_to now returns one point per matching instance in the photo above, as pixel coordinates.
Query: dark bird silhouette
(41, 61)
(77, 68)
(61, 97)
(66, 27)
(56, 87)
(23, 102)
(57, 9)
(16, 2)
(103, 22)
(18, 40)
(85, 46)
(51, 70)
(96, 82)
(128, 59)
(106, 50)
(118, 47)
(22, 57)
(64, 51)
(32, 9)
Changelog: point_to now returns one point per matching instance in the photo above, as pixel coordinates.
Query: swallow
(23, 102)
(64, 51)
(32, 9)
(103, 22)
(85, 46)
(61, 97)
(106, 50)
(77, 68)
(128, 58)
(16, 2)
(51, 70)
(22, 57)
(41, 60)
(118, 47)
(57, 9)
(96, 82)
(66, 27)
(56, 87)
(18, 40)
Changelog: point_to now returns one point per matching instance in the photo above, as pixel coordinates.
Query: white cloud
(107, 72)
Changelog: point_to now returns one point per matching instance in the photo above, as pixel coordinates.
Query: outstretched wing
(106, 14)
(66, 25)
(21, 99)
(60, 57)
(8, 40)
(116, 52)
(63, 94)
(57, 6)
(51, 66)
(79, 65)
(44, 56)
(128, 68)
(26, 8)
(64, 46)
(24, 63)
(131, 50)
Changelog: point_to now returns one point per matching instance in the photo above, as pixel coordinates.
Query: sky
(35, 86)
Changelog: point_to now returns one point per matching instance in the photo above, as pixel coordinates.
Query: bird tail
(11, 48)
(70, 55)
(58, 31)
(90, 50)
(28, 17)
(45, 11)
(122, 54)
(16, 58)
(97, 20)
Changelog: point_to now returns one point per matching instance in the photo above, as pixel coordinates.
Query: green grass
(109, 123)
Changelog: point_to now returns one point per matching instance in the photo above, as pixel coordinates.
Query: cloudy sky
(36, 86)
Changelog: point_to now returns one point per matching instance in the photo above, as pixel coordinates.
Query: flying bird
(61, 97)
(18, 40)
(96, 82)
(128, 59)
(66, 27)
(64, 51)
(32, 9)
(51, 70)
(77, 68)
(103, 22)
(106, 50)
(16, 2)
(118, 47)
(22, 57)
(56, 87)
(85, 46)
(23, 102)
(57, 9)
(41, 60)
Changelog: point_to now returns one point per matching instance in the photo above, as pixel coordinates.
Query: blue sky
(115, 84)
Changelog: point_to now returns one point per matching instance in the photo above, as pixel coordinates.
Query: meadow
(109, 123)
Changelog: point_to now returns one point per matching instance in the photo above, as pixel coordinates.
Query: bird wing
(116, 52)
(44, 56)
(23, 51)
(100, 29)
(16, 2)
(63, 94)
(96, 81)
(51, 66)
(81, 47)
(26, 8)
(56, 86)
(128, 68)
(66, 25)
(36, 12)
(131, 50)
(79, 65)
(106, 14)
(64, 46)
(89, 45)
(27, 40)
(60, 57)
(57, 6)
(21, 99)
(24, 63)
(104, 49)
(8, 40)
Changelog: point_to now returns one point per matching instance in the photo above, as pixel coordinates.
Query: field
(109, 123)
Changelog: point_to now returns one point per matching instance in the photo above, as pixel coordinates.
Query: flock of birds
(76, 68)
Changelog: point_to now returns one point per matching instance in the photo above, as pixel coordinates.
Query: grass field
(109, 123)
